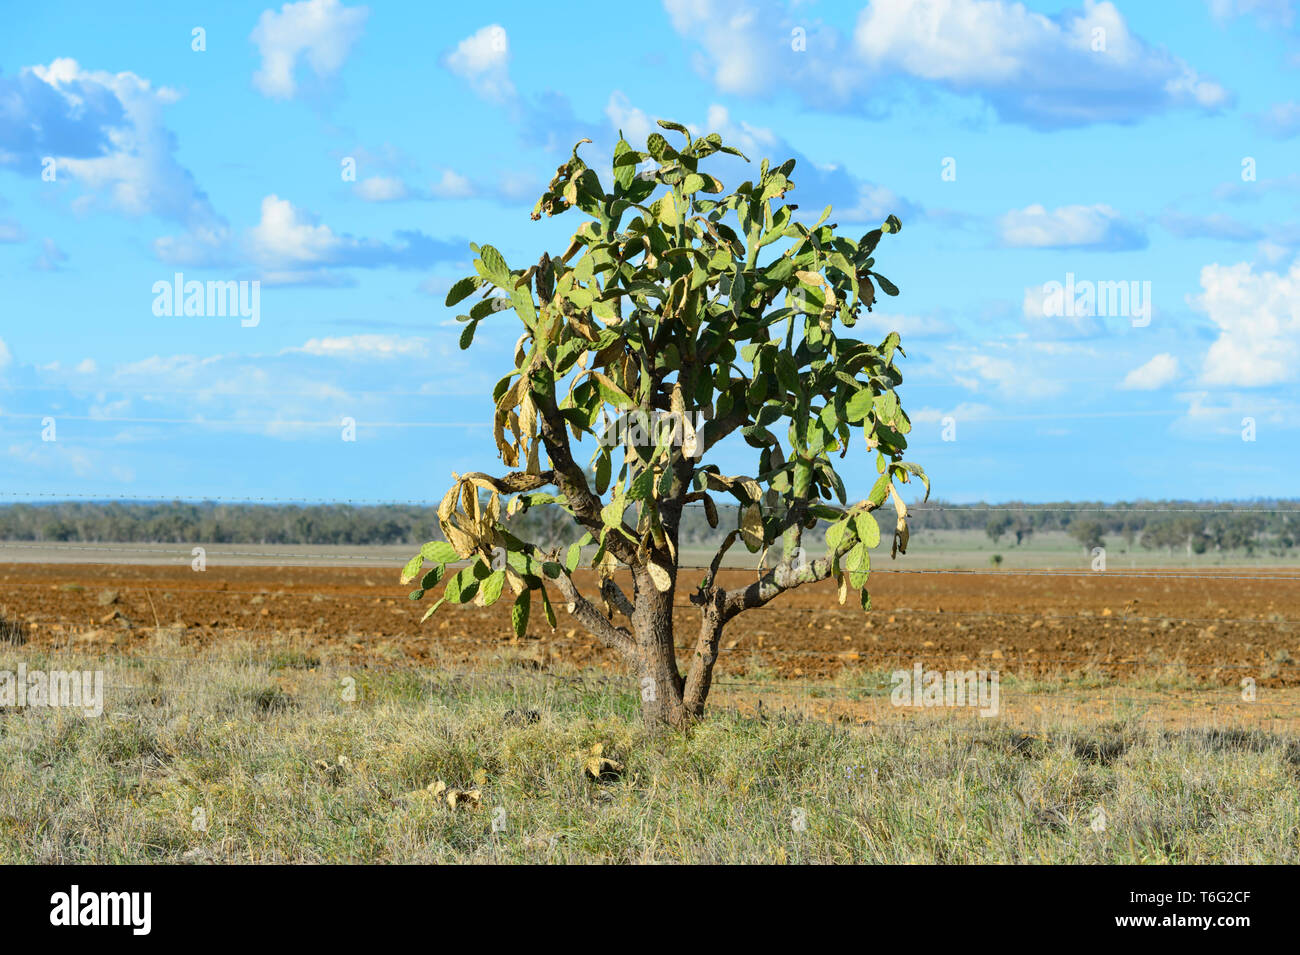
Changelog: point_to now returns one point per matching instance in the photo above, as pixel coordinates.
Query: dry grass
(262, 746)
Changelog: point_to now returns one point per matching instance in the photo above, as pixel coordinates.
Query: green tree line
(1175, 526)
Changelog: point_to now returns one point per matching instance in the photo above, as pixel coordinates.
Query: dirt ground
(1212, 628)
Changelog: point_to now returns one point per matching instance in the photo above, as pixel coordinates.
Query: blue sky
(1020, 144)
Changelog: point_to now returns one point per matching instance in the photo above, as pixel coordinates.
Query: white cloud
(1281, 120)
(291, 394)
(1270, 12)
(322, 32)
(293, 247)
(5, 356)
(816, 185)
(1237, 191)
(286, 234)
(907, 326)
(1013, 377)
(519, 186)
(1213, 226)
(1156, 373)
(1210, 416)
(382, 189)
(632, 120)
(1073, 68)
(1258, 315)
(1044, 71)
(11, 231)
(1271, 252)
(365, 346)
(966, 411)
(1097, 227)
(544, 120)
(452, 185)
(57, 457)
(203, 246)
(729, 33)
(756, 49)
(121, 147)
(749, 139)
(290, 246)
(483, 59)
(1273, 238)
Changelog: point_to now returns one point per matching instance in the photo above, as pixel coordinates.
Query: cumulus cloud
(1074, 68)
(56, 111)
(1014, 374)
(817, 185)
(452, 185)
(291, 246)
(1069, 69)
(288, 235)
(759, 49)
(1258, 315)
(545, 120)
(288, 239)
(1161, 370)
(320, 33)
(105, 132)
(632, 121)
(482, 59)
(1097, 228)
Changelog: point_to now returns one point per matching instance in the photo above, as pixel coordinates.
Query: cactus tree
(677, 317)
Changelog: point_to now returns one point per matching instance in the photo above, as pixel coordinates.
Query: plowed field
(1220, 625)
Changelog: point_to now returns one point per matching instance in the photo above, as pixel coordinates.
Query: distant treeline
(1252, 526)
(1272, 526)
(217, 523)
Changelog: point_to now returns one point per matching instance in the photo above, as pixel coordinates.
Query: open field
(939, 548)
(253, 753)
(1120, 691)
(1192, 627)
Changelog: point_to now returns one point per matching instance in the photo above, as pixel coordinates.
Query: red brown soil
(1215, 624)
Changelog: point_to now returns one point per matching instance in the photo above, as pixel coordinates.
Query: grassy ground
(253, 756)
